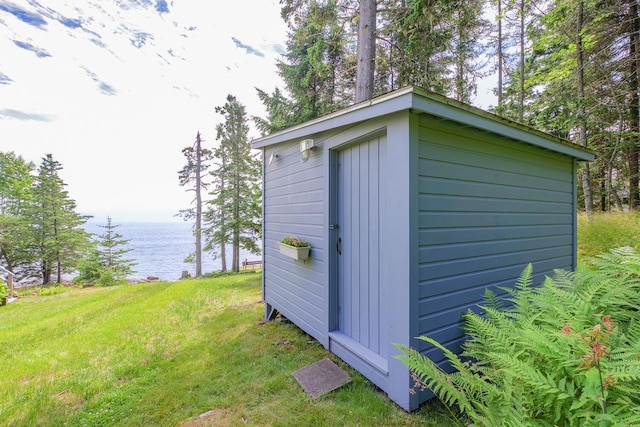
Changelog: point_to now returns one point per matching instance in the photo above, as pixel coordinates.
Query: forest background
(566, 67)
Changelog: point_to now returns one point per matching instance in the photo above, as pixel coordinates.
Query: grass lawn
(161, 354)
(604, 231)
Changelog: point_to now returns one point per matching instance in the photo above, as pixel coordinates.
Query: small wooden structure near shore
(414, 204)
(8, 278)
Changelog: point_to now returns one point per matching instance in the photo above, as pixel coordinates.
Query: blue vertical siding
(362, 169)
(294, 205)
(487, 206)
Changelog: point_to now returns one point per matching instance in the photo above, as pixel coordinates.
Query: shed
(413, 205)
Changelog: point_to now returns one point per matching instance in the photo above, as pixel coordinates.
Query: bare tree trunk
(365, 68)
(582, 117)
(614, 154)
(521, 94)
(634, 108)
(198, 226)
(500, 58)
(604, 195)
(612, 190)
(223, 246)
(235, 262)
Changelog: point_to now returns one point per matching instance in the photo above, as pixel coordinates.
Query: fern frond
(492, 300)
(434, 378)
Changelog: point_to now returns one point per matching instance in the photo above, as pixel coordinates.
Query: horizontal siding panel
(299, 219)
(294, 188)
(503, 276)
(310, 269)
(490, 156)
(432, 254)
(429, 185)
(430, 305)
(482, 174)
(470, 265)
(480, 219)
(279, 229)
(298, 208)
(442, 203)
(449, 317)
(290, 198)
(456, 137)
(284, 294)
(283, 168)
(439, 236)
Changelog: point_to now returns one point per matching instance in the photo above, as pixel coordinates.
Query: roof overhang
(422, 101)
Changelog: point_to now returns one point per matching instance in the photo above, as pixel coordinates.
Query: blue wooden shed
(413, 205)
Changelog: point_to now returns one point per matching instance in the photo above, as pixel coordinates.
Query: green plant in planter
(294, 241)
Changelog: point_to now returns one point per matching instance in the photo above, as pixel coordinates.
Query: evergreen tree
(344, 51)
(105, 263)
(16, 182)
(235, 210)
(191, 174)
(314, 68)
(112, 247)
(59, 241)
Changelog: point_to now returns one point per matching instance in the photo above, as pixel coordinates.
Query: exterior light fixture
(306, 145)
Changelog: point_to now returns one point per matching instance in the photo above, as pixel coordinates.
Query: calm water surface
(160, 248)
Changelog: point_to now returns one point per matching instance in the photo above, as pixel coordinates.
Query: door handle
(338, 245)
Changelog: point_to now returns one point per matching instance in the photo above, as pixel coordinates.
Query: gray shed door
(361, 310)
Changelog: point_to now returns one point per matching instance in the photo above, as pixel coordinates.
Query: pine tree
(112, 247)
(59, 241)
(191, 174)
(234, 211)
(16, 182)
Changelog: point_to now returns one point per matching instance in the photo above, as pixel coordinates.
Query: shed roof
(423, 101)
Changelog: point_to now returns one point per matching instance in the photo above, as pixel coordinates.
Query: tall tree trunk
(365, 67)
(500, 54)
(223, 243)
(460, 60)
(604, 195)
(634, 107)
(235, 263)
(198, 225)
(612, 190)
(521, 66)
(582, 117)
(58, 270)
(46, 272)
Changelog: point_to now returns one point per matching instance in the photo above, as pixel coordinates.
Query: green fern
(541, 361)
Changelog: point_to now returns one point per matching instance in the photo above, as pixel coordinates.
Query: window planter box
(297, 253)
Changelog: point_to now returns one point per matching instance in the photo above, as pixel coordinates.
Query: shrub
(564, 354)
(51, 290)
(4, 291)
(94, 272)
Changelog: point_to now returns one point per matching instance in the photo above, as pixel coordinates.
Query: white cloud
(120, 96)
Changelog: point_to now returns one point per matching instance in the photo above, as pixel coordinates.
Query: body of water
(159, 249)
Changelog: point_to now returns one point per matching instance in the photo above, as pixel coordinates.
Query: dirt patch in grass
(214, 417)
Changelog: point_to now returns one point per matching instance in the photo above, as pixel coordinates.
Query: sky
(115, 89)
